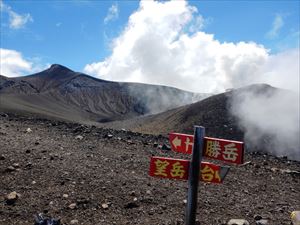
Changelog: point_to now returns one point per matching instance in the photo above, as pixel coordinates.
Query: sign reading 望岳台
(214, 148)
(179, 169)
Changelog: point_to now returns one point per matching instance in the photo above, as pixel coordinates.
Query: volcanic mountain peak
(55, 71)
(58, 69)
(62, 93)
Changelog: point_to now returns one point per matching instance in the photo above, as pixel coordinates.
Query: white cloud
(276, 26)
(112, 14)
(282, 70)
(16, 21)
(157, 47)
(13, 64)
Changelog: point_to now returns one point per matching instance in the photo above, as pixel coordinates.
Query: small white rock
(72, 206)
(28, 130)
(79, 137)
(65, 195)
(104, 206)
(74, 222)
(238, 222)
(16, 165)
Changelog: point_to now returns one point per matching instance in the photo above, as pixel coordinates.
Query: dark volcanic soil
(107, 177)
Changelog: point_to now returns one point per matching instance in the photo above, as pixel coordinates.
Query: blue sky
(80, 33)
(71, 33)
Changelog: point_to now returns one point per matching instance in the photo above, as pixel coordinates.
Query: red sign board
(224, 150)
(182, 143)
(179, 169)
(214, 148)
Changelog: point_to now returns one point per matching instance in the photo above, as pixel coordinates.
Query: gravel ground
(89, 175)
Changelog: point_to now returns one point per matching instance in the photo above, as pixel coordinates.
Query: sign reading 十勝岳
(214, 148)
(195, 170)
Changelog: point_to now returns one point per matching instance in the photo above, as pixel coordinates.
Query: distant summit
(57, 68)
(55, 71)
(60, 92)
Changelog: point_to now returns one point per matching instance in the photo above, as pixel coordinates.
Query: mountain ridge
(88, 98)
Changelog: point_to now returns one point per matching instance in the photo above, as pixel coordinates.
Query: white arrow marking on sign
(187, 144)
(176, 142)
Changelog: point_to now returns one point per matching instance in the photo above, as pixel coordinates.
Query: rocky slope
(88, 175)
(219, 117)
(59, 92)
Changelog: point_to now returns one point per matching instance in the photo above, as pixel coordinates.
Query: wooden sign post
(193, 181)
(195, 169)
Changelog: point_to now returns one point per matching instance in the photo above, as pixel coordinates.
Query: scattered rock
(83, 201)
(10, 169)
(28, 130)
(4, 115)
(65, 196)
(238, 222)
(155, 145)
(166, 147)
(2, 157)
(78, 129)
(132, 193)
(257, 217)
(11, 198)
(16, 165)
(130, 142)
(104, 206)
(79, 137)
(131, 205)
(246, 163)
(74, 222)
(109, 136)
(262, 222)
(72, 206)
(28, 165)
(257, 166)
(291, 172)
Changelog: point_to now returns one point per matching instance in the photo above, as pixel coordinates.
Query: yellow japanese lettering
(177, 170)
(161, 168)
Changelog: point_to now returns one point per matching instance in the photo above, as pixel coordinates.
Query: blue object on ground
(40, 220)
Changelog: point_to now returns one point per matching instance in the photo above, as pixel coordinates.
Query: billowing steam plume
(270, 119)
